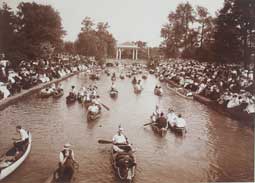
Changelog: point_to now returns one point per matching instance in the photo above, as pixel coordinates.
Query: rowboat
(123, 165)
(11, 165)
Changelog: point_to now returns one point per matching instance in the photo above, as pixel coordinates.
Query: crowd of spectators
(229, 85)
(28, 73)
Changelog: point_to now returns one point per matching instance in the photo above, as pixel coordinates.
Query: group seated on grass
(229, 85)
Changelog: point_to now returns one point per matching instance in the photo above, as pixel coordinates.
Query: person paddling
(66, 161)
(23, 140)
(161, 122)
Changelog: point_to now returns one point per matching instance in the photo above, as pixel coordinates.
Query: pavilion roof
(127, 45)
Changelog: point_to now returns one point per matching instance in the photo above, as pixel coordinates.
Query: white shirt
(171, 118)
(23, 134)
(119, 138)
(180, 122)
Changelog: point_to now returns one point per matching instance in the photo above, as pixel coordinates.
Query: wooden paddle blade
(104, 141)
(148, 124)
(107, 108)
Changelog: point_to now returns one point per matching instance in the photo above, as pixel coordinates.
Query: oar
(107, 108)
(148, 123)
(104, 141)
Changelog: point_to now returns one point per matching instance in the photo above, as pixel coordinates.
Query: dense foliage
(193, 33)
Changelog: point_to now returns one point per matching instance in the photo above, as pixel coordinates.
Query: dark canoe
(114, 94)
(124, 174)
(70, 99)
(69, 176)
(234, 113)
(158, 92)
(58, 94)
(161, 131)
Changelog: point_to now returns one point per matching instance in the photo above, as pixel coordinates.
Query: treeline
(94, 40)
(35, 31)
(227, 38)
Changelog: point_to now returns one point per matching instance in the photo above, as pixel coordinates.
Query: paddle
(107, 108)
(148, 123)
(104, 141)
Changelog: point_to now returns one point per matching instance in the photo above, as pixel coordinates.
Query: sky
(129, 20)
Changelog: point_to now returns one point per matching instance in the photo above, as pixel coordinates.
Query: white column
(136, 54)
(133, 54)
(120, 53)
(117, 54)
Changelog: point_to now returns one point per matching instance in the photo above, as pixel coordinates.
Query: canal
(216, 148)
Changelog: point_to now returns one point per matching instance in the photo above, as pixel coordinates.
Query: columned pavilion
(127, 45)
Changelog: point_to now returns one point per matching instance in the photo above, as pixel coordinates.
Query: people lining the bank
(228, 84)
(33, 72)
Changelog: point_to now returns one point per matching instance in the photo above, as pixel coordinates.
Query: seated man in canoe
(180, 122)
(18, 150)
(20, 143)
(113, 87)
(66, 164)
(171, 118)
(161, 122)
(123, 153)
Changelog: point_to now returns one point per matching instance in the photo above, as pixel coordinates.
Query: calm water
(215, 148)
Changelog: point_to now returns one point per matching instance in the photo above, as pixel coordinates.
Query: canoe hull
(10, 169)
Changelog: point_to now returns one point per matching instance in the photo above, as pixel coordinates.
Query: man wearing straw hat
(66, 161)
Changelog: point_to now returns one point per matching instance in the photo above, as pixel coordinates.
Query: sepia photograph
(127, 91)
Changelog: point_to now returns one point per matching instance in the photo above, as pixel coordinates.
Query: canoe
(113, 93)
(161, 131)
(178, 130)
(158, 92)
(4, 172)
(58, 94)
(93, 115)
(134, 81)
(45, 94)
(137, 89)
(123, 170)
(54, 178)
(144, 76)
(183, 93)
(70, 99)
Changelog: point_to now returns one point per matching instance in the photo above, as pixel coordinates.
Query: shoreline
(241, 117)
(13, 99)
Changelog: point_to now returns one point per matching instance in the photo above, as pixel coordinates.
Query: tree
(97, 42)
(37, 25)
(177, 33)
(7, 31)
(235, 28)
